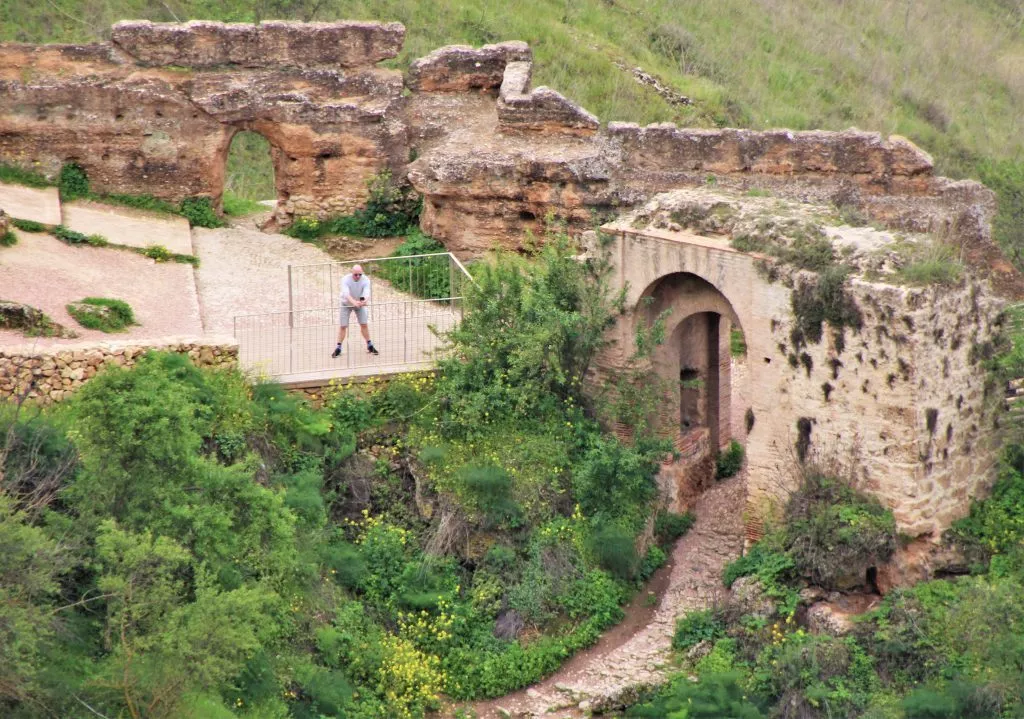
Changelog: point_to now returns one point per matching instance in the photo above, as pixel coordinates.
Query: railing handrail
(332, 308)
(381, 259)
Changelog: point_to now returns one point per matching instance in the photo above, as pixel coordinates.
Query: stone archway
(694, 362)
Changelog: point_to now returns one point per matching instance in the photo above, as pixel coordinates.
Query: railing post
(405, 332)
(291, 303)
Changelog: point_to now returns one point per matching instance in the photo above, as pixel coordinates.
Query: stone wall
(50, 374)
(154, 110)
(902, 404)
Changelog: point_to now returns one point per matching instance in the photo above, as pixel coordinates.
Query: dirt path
(633, 656)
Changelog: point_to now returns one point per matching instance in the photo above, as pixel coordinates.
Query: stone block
(461, 68)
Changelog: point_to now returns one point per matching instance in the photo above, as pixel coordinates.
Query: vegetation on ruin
(28, 225)
(30, 321)
(943, 648)
(102, 313)
(8, 239)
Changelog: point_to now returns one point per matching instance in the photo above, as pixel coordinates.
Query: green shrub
(1006, 177)
(199, 212)
(97, 240)
(158, 253)
(490, 489)
(73, 183)
(769, 565)
(834, 533)
(614, 549)
(669, 526)
(995, 526)
(306, 229)
(101, 313)
(714, 696)
(428, 277)
(729, 462)
(69, 236)
(8, 239)
(697, 627)
(28, 225)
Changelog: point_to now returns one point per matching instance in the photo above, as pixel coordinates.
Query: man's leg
(365, 329)
(342, 330)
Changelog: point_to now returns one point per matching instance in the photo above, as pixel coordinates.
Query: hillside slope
(949, 74)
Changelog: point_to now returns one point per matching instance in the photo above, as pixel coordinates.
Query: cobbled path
(610, 677)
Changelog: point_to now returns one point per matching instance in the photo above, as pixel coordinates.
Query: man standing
(355, 294)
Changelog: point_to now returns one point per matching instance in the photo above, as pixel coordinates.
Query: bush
(669, 526)
(490, 489)
(834, 533)
(97, 241)
(28, 225)
(101, 313)
(715, 696)
(697, 627)
(770, 566)
(159, 253)
(73, 183)
(199, 212)
(428, 277)
(8, 239)
(69, 236)
(729, 462)
(614, 550)
(306, 229)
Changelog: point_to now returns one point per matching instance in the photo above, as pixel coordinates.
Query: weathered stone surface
(275, 43)
(747, 597)
(461, 68)
(5, 223)
(53, 374)
(542, 110)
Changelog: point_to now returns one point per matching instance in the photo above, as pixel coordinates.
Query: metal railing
(404, 324)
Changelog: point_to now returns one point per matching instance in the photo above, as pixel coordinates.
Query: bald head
(357, 270)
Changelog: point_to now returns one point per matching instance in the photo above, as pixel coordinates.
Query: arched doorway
(694, 363)
(248, 174)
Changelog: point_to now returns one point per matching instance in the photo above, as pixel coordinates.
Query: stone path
(31, 203)
(129, 226)
(604, 678)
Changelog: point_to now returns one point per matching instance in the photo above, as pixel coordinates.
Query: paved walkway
(30, 203)
(604, 678)
(128, 226)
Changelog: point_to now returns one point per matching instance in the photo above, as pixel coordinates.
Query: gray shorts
(362, 314)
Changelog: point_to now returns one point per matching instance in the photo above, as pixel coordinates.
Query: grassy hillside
(949, 74)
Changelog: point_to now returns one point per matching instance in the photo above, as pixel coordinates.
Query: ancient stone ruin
(901, 391)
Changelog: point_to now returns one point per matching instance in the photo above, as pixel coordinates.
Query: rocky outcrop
(202, 45)
(50, 375)
(461, 68)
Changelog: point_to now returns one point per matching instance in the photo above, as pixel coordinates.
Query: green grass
(237, 206)
(102, 313)
(8, 239)
(250, 173)
(28, 225)
(19, 176)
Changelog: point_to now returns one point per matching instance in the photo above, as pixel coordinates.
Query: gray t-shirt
(352, 289)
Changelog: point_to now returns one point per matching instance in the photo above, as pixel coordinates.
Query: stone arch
(694, 363)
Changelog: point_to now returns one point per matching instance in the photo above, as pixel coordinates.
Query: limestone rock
(5, 223)
(204, 44)
(460, 68)
(747, 596)
(542, 110)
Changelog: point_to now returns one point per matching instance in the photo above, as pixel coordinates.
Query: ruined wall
(153, 111)
(905, 404)
(51, 374)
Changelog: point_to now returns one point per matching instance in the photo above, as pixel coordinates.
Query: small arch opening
(249, 174)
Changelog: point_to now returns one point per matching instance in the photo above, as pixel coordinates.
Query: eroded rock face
(202, 44)
(461, 68)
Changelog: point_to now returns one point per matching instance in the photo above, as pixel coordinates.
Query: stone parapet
(202, 44)
(50, 374)
(461, 68)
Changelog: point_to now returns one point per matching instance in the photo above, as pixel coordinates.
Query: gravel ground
(45, 273)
